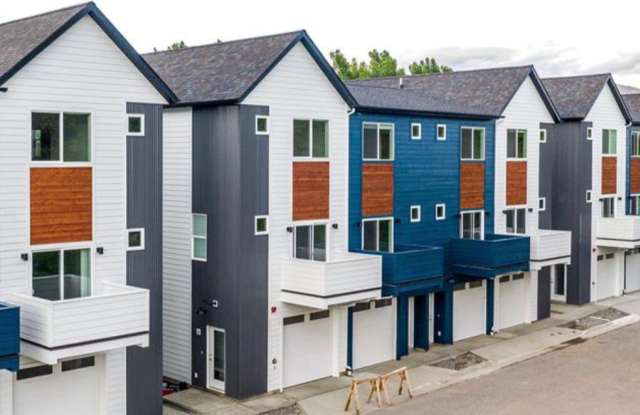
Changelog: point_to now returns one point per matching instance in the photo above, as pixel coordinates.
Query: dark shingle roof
(628, 89)
(575, 95)
(633, 104)
(482, 92)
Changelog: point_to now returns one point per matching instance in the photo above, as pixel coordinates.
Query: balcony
(549, 247)
(489, 257)
(116, 316)
(9, 337)
(411, 269)
(619, 232)
(344, 278)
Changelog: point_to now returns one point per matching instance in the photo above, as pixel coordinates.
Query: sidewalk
(567, 325)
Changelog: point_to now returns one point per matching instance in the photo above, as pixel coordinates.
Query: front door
(216, 358)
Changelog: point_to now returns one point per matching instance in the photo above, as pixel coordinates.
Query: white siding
(297, 88)
(176, 244)
(115, 363)
(6, 392)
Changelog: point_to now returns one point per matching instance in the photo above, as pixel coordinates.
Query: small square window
(415, 213)
(441, 132)
(416, 131)
(441, 211)
(543, 136)
(135, 124)
(589, 196)
(135, 239)
(589, 133)
(262, 125)
(262, 225)
(542, 204)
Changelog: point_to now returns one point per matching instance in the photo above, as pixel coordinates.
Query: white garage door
(512, 300)
(632, 277)
(607, 274)
(373, 333)
(307, 348)
(76, 391)
(469, 309)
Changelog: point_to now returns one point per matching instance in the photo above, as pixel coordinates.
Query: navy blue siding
(488, 258)
(9, 337)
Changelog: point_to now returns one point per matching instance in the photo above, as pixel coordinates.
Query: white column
(6, 392)
(339, 336)
(115, 373)
(531, 287)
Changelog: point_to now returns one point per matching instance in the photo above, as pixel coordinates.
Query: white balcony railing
(619, 232)
(550, 247)
(51, 330)
(346, 277)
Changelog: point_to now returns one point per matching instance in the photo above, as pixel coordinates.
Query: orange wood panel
(310, 190)
(609, 175)
(61, 205)
(472, 185)
(635, 175)
(377, 189)
(516, 182)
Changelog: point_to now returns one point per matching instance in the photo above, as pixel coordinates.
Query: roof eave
(434, 114)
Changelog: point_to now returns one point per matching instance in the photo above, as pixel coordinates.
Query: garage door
(307, 348)
(469, 309)
(67, 390)
(606, 279)
(512, 300)
(373, 333)
(632, 274)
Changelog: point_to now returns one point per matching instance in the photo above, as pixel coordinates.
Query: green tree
(427, 66)
(177, 45)
(380, 64)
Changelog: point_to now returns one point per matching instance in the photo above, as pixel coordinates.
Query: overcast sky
(561, 37)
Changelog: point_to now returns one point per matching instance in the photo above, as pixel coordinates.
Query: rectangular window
(261, 225)
(199, 237)
(311, 138)
(441, 211)
(377, 235)
(543, 135)
(589, 196)
(635, 205)
(416, 131)
(516, 220)
(262, 125)
(635, 144)
(415, 213)
(135, 239)
(310, 242)
(135, 124)
(472, 225)
(472, 143)
(608, 207)
(377, 141)
(542, 204)
(589, 133)
(609, 142)
(60, 137)
(61, 274)
(441, 132)
(517, 144)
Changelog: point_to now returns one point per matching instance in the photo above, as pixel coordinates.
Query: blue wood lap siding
(9, 337)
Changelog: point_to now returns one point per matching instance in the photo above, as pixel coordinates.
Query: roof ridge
(593, 75)
(46, 13)
(225, 43)
(495, 68)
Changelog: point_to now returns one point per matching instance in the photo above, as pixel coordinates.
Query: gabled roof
(226, 72)
(22, 40)
(480, 93)
(628, 89)
(574, 96)
(633, 104)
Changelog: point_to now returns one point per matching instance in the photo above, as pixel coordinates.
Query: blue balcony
(9, 336)
(488, 258)
(411, 269)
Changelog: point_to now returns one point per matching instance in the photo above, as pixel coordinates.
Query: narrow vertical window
(415, 213)
(635, 144)
(416, 131)
(441, 211)
(517, 144)
(609, 142)
(199, 237)
(441, 132)
(543, 135)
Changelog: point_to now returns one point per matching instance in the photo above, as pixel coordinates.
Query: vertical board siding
(310, 190)
(635, 176)
(377, 189)
(516, 183)
(61, 205)
(472, 185)
(609, 176)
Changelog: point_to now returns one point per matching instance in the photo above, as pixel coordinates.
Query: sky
(560, 37)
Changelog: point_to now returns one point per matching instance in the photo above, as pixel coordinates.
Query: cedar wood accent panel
(635, 175)
(516, 183)
(472, 185)
(61, 205)
(609, 175)
(310, 190)
(377, 189)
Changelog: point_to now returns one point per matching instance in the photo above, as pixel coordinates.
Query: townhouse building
(584, 178)
(80, 218)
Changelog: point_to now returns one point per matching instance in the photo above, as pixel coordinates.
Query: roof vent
(401, 82)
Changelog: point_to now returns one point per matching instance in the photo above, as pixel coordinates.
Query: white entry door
(469, 309)
(512, 300)
(607, 276)
(632, 271)
(216, 358)
(373, 333)
(308, 342)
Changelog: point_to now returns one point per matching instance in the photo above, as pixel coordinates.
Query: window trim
(142, 239)
(62, 248)
(310, 156)
(392, 143)
(60, 161)
(262, 117)
(444, 211)
(515, 209)
(438, 137)
(256, 232)
(542, 204)
(391, 236)
(414, 137)
(482, 222)
(613, 206)
(615, 153)
(635, 142)
(311, 224)
(543, 135)
(589, 133)
(419, 209)
(194, 237)
(526, 144)
(635, 196)
(484, 143)
(589, 196)
(134, 134)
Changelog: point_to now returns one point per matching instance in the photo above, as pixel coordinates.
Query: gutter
(4, 89)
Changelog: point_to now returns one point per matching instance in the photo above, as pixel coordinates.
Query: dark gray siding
(144, 268)
(565, 177)
(230, 185)
(544, 293)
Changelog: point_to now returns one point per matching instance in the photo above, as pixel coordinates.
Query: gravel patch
(459, 362)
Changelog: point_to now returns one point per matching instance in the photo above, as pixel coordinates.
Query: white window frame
(482, 221)
(542, 204)
(526, 144)
(615, 153)
(255, 225)
(515, 210)
(444, 211)
(134, 134)
(60, 161)
(194, 237)
(392, 144)
(262, 117)
(392, 238)
(419, 209)
(484, 143)
(62, 248)
(413, 137)
(635, 144)
(589, 196)
(438, 136)
(589, 133)
(142, 239)
(635, 196)
(310, 157)
(613, 206)
(311, 224)
(543, 135)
